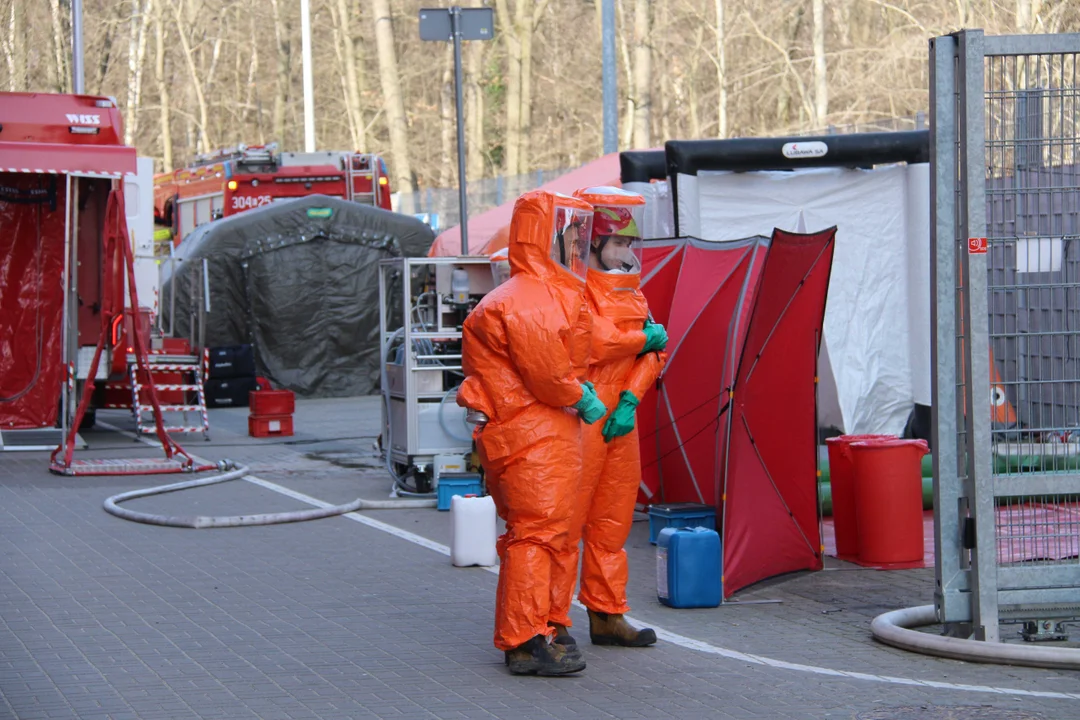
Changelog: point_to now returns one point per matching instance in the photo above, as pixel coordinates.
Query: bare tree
(198, 80)
(642, 97)
(517, 26)
(15, 48)
(721, 72)
(474, 109)
(715, 67)
(1027, 15)
(821, 83)
(347, 49)
(61, 80)
(283, 76)
(163, 87)
(393, 100)
(140, 22)
(447, 122)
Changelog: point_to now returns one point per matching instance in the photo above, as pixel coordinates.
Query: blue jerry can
(688, 567)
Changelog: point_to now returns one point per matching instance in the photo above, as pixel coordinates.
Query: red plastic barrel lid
(888, 499)
(842, 484)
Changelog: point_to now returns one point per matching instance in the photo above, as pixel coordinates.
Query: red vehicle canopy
(62, 135)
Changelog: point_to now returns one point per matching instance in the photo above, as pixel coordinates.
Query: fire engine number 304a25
(242, 202)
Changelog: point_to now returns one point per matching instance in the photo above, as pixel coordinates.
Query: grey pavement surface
(104, 618)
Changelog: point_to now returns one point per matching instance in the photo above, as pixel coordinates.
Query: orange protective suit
(611, 471)
(525, 351)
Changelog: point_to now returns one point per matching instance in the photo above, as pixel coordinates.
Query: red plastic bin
(888, 500)
(842, 484)
(270, 425)
(272, 402)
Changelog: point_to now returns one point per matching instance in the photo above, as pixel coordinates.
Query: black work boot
(564, 638)
(538, 657)
(607, 629)
(562, 634)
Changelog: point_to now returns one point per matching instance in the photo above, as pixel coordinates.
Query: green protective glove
(622, 417)
(589, 406)
(655, 337)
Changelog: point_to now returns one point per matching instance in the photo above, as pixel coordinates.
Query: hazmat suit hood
(537, 227)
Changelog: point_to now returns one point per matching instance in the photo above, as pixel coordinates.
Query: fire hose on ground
(232, 471)
(894, 628)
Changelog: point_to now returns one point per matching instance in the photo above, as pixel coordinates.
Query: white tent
(875, 358)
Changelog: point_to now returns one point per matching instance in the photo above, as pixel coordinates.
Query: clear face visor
(570, 239)
(616, 245)
(500, 267)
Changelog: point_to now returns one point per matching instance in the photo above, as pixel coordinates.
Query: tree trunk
(1027, 15)
(692, 91)
(15, 49)
(526, 94)
(202, 139)
(284, 79)
(60, 49)
(393, 101)
(474, 110)
(642, 73)
(447, 121)
(527, 28)
(140, 20)
(721, 73)
(163, 88)
(105, 54)
(250, 85)
(512, 140)
(628, 67)
(352, 87)
(821, 84)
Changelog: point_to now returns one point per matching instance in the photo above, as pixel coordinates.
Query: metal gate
(1005, 272)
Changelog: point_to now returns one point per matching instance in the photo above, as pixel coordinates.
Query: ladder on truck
(191, 371)
(362, 165)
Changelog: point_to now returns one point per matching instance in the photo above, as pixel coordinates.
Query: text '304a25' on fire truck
(237, 179)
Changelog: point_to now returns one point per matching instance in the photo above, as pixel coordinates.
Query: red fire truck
(237, 179)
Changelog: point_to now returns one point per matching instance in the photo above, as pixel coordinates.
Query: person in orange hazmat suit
(525, 353)
(626, 359)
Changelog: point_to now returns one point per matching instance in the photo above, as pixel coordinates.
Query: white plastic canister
(473, 531)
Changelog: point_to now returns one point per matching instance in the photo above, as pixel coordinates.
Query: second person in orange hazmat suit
(525, 352)
(625, 361)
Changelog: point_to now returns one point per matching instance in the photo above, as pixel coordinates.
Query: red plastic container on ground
(270, 425)
(888, 499)
(842, 483)
(272, 402)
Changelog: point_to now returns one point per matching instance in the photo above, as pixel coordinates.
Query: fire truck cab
(63, 165)
(237, 179)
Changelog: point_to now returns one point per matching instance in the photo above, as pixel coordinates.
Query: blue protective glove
(589, 406)
(655, 337)
(622, 417)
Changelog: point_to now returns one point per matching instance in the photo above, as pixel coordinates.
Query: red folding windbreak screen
(733, 422)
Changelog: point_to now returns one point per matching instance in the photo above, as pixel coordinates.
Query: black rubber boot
(606, 629)
(539, 657)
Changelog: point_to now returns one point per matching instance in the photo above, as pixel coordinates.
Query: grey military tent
(299, 281)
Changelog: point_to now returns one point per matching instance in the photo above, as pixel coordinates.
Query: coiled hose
(232, 471)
